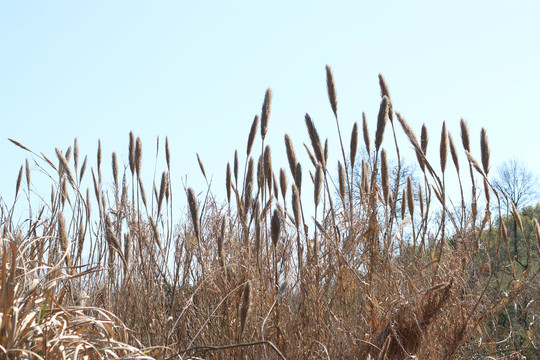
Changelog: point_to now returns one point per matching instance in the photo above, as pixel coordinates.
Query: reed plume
(252, 133)
(484, 147)
(365, 131)
(331, 88)
(381, 122)
(194, 211)
(444, 147)
(315, 140)
(354, 144)
(265, 114)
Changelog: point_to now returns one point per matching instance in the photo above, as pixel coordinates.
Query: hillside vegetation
(388, 271)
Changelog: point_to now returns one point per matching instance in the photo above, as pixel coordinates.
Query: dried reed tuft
(162, 189)
(517, 217)
(201, 166)
(62, 232)
(291, 155)
(228, 182)
(403, 203)
(252, 133)
(283, 183)
(465, 138)
(275, 227)
(143, 193)
(381, 122)
(132, 152)
(64, 166)
(28, 179)
(444, 147)
(311, 156)
(115, 169)
(410, 196)
(341, 175)
(76, 153)
(453, 152)
(167, 153)
(385, 92)
(265, 114)
(318, 185)
(331, 87)
(296, 206)
(423, 144)
(244, 309)
(194, 211)
(298, 177)
(315, 140)
(19, 144)
(268, 172)
(19, 180)
(354, 144)
(235, 167)
(484, 147)
(249, 184)
(365, 130)
(138, 156)
(83, 168)
(99, 156)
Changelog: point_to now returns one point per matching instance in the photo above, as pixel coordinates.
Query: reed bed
(382, 269)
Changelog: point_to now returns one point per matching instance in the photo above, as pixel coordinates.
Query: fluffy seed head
(132, 152)
(246, 304)
(291, 155)
(517, 217)
(385, 92)
(252, 133)
(194, 211)
(365, 130)
(381, 122)
(201, 166)
(465, 138)
(138, 156)
(167, 153)
(403, 203)
(444, 147)
(354, 143)
(275, 227)
(410, 196)
(318, 184)
(341, 174)
(162, 189)
(453, 152)
(298, 177)
(268, 166)
(331, 87)
(76, 152)
(236, 166)
(228, 182)
(265, 115)
(296, 206)
(283, 182)
(115, 168)
(484, 147)
(315, 140)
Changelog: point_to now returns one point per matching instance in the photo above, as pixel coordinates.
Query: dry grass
(254, 276)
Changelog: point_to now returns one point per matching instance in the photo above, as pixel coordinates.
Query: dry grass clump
(389, 273)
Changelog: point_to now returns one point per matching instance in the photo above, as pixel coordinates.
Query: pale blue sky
(197, 72)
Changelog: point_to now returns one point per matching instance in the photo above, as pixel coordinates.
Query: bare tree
(521, 187)
(518, 183)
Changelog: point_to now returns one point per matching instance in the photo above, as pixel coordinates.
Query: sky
(197, 73)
